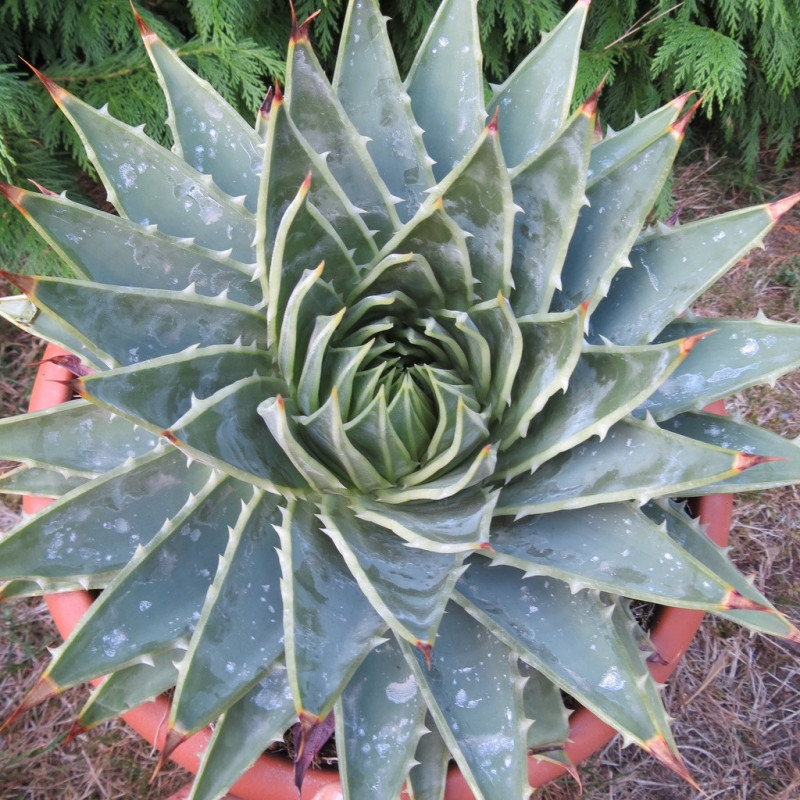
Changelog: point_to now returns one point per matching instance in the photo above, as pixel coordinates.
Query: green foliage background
(743, 55)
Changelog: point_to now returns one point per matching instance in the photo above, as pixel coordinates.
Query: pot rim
(671, 634)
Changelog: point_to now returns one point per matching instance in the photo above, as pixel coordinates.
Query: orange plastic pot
(272, 778)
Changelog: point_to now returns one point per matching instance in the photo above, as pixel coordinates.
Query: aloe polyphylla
(380, 405)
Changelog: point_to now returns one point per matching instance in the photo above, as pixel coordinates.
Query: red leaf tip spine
(780, 207)
(147, 33)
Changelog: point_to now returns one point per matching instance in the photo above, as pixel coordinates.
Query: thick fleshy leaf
(670, 268)
(155, 390)
(551, 346)
(750, 439)
(445, 84)
(543, 705)
(649, 462)
(127, 620)
(368, 86)
(131, 686)
(239, 633)
(151, 185)
(324, 124)
(568, 638)
(740, 353)
(616, 146)
(407, 586)
(304, 240)
(549, 189)
(24, 314)
(75, 437)
(281, 179)
(113, 250)
(474, 693)
(477, 195)
(242, 734)
(689, 535)
(38, 482)
(209, 134)
(136, 324)
(607, 228)
(378, 725)
(534, 101)
(226, 429)
(321, 603)
(613, 548)
(436, 237)
(605, 385)
(428, 778)
(113, 515)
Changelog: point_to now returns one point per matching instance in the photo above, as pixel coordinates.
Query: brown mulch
(735, 698)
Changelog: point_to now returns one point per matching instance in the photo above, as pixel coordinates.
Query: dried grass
(736, 698)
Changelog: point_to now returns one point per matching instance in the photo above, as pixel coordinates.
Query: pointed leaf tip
(313, 735)
(688, 343)
(24, 283)
(173, 740)
(13, 194)
(680, 101)
(44, 689)
(265, 107)
(56, 92)
(682, 123)
(492, 126)
(76, 730)
(659, 748)
(735, 600)
(145, 30)
(300, 30)
(43, 189)
(589, 107)
(743, 461)
(778, 208)
(425, 648)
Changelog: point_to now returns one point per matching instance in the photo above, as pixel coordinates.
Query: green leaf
(474, 693)
(649, 462)
(445, 84)
(74, 437)
(606, 384)
(38, 482)
(243, 732)
(113, 250)
(407, 586)
(240, 632)
(127, 620)
(131, 686)
(324, 124)
(689, 535)
(739, 354)
(447, 525)
(367, 83)
(672, 267)
(549, 190)
(750, 439)
(534, 101)
(613, 548)
(477, 195)
(409, 273)
(209, 134)
(226, 429)
(281, 179)
(551, 346)
(428, 777)
(543, 706)
(378, 725)
(322, 603)
(607, 228)
(568, 637)
(155, 391)
(134, 325)
(95, 529)
(151, 185)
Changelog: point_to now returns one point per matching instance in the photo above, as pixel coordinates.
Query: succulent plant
(379, 407)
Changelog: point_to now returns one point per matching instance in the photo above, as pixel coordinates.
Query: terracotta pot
(271, 778)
